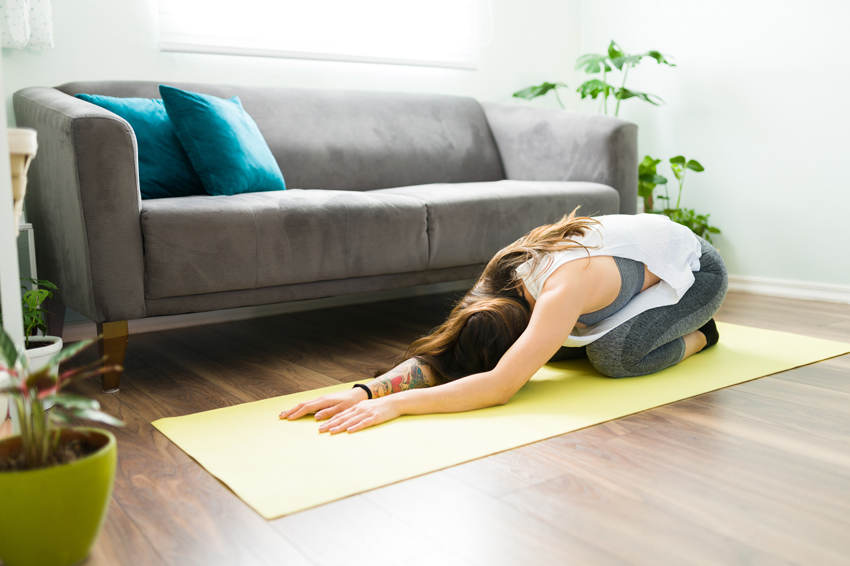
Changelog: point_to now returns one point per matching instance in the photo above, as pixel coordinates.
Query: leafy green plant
(31, 302)
(698, 223)
(540, 90)
(649, 178)
(30, 390)
(603, 64)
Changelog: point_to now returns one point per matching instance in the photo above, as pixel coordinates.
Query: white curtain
(26, 24)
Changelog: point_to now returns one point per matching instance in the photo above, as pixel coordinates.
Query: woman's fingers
(331, 411)
(307, 407)
(368, 421)
(352, 420)
(339, 419)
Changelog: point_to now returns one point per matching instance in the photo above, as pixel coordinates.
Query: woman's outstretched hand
(362, 415)
(327, 405)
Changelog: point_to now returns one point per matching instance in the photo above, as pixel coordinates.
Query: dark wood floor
(754, 474)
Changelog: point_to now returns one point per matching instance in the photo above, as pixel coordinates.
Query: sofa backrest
(350, 140)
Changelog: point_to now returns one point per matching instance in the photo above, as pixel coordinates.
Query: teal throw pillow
(224, 143)
(164, 167)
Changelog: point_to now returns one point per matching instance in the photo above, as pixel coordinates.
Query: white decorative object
(22, 148)
(26, 24)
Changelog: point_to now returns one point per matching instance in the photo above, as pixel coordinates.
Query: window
(436, 33)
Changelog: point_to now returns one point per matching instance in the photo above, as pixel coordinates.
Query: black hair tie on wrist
(368, 391)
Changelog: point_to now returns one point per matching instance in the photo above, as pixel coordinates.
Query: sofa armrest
(83, 201)
(541, 144)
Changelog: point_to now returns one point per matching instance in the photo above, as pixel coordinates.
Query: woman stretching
(634, 293)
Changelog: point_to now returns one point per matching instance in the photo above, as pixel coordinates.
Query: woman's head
(476, 335)
(487, 321)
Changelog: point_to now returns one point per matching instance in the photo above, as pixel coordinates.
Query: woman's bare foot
(694, 342)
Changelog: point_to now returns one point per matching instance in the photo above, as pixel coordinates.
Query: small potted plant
(39, 349)
(56, 482)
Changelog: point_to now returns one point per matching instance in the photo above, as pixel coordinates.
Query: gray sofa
(387, 190)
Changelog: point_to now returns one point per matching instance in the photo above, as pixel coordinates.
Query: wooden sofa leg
(114, 346)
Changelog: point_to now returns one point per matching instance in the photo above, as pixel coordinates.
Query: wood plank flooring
(754, 474)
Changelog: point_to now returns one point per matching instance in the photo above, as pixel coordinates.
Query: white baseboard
(829, 293)
(75, 331)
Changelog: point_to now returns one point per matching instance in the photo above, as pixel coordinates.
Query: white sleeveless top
(669, 250)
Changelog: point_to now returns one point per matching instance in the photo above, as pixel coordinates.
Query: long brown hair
(493, 314)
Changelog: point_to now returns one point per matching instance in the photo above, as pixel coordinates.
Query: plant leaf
(593, 88)
(70, 351)
(42, 379)
(539, 90)
(8, 349)
(59, 416)
(653, 179)
(40, 282)
(694, 165)
(592, 63)
(678, 159)
(625, 94)
(615, 50)
(97, 416)
(70, 401)
(659, 58)
(72, 373)
(92, 373)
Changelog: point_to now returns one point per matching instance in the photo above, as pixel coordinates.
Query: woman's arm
(407, 375)
(410, 374)
(557, 309)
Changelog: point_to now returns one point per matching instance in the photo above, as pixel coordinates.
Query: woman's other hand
(328, 405)
(362, 415)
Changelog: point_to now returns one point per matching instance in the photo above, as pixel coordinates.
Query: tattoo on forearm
(408, 375)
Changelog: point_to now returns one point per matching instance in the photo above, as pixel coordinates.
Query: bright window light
(436, 33)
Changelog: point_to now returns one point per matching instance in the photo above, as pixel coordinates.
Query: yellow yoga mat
(279, 467)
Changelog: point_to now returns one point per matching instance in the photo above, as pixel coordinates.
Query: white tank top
(669, 250)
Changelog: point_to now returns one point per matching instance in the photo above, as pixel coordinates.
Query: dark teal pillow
(225, 145)
(164, 167)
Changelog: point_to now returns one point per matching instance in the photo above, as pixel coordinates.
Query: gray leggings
(652, 340)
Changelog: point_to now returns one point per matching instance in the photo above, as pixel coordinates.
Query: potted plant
(649, 178)
(39, 349)
(56, 482)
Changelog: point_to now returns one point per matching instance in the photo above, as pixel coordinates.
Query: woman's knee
(609, 363)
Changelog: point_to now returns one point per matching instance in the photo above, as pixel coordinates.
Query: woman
(634, 293)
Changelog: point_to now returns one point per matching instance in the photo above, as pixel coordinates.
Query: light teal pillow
(164, 167)
(225, 145)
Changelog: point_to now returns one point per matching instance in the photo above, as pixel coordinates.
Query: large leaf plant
(29, 391)
(602, 86)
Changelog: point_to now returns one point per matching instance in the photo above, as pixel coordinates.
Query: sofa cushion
(469, 222)
(206, 244)
(164, 168)
(224, 144)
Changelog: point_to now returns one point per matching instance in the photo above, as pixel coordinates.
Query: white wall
(118, 40)
(758, 99)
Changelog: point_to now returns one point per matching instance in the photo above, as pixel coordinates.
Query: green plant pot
(52, 516)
